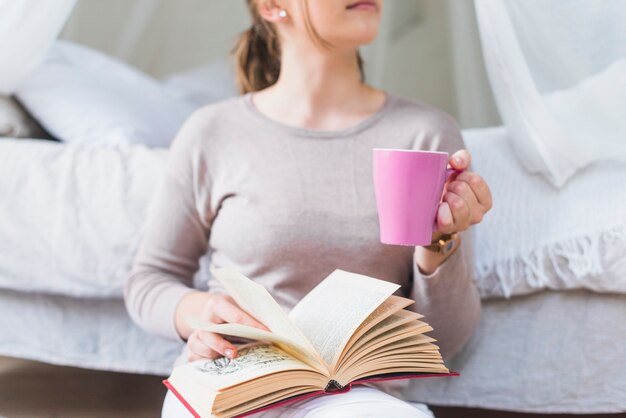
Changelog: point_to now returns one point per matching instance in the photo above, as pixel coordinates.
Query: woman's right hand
(218, 309)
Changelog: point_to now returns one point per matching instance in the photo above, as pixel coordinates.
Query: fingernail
(229, 353)
(458, 160)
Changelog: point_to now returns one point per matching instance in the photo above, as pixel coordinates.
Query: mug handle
(449, 173)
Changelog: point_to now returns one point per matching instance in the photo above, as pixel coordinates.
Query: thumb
(460, 160)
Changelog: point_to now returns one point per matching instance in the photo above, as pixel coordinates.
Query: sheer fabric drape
(558, 71)
(27, 30)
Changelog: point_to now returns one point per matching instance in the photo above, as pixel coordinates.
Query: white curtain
(558, 71)
(27, 30)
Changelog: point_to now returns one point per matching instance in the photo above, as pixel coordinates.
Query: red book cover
(330, 390)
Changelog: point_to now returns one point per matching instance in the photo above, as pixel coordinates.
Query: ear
(272, 11)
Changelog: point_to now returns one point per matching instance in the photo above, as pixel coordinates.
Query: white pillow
(204, 84)
(81, 95)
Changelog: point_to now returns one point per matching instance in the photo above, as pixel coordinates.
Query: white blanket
(71, 217)
(539, 237)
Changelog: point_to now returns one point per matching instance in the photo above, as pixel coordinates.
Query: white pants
(359, 402)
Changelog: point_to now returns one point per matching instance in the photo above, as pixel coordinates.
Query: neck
(319, 80)
(318, 89)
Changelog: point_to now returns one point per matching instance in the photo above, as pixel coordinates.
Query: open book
(348, 330)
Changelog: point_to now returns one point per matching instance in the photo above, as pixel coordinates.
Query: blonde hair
(257, 51)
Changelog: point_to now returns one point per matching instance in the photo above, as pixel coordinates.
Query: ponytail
(257, 54)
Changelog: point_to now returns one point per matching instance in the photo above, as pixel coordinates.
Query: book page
(389, 307)
(355, 344)
(238, 330)
(251, 333)
(256, 300)
(334, 310)
(252, 362)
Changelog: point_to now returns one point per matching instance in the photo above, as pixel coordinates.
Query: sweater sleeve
(448, 297)
(175, 236)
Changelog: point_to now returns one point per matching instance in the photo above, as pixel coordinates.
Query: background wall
(428, 50)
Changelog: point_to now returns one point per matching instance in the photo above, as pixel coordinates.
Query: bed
(73, 220)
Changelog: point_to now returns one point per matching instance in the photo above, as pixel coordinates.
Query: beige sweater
(286, 206)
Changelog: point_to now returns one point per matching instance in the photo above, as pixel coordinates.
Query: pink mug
(409, 188)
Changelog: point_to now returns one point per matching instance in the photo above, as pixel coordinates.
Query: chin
(356, 40)
(354, 36)
(367, 38)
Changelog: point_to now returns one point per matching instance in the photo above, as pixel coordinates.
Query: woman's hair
(257, 52)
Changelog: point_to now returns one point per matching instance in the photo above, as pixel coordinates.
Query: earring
(282, 13)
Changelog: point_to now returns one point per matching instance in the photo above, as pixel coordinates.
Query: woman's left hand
(466, 198)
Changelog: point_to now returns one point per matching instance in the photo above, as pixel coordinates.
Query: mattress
(88, 333)
(550, 352)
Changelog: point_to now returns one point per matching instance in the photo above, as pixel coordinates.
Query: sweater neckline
(318, 133)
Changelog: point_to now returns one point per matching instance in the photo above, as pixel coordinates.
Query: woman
(278, 184)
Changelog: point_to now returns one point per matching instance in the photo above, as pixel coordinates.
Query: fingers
(229, 312)
(461, 211)
(467, 212)
(466, 200)
(445, 222)
(209, 345)
(218, 309)
(460, 160)
(479, 187)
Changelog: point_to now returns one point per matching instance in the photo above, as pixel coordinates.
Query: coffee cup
(409, 187)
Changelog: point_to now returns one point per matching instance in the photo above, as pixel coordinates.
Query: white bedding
(83, 96)
(71, 220)
(88, 333)
(550, 352)
(539, 237)
(71, 217)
